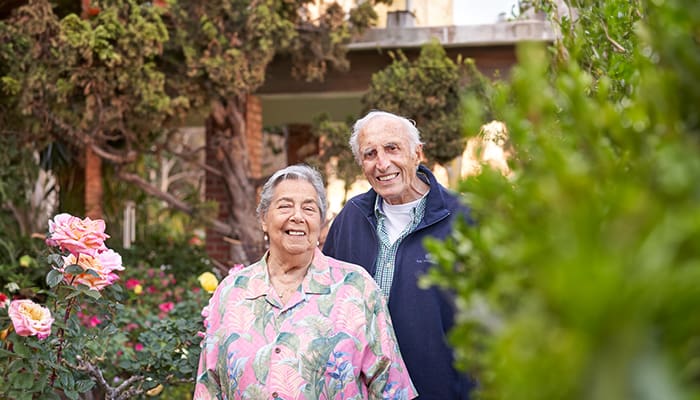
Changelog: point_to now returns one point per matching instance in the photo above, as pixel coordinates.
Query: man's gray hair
(300, 172)
(408, 124)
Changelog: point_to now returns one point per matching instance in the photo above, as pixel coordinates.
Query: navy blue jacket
(421, 317)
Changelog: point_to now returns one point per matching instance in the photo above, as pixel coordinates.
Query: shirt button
(277, 350)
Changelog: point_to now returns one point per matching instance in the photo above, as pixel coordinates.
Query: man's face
(387, 160)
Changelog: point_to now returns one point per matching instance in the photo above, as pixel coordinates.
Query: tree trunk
(93, 184)
(226, 132)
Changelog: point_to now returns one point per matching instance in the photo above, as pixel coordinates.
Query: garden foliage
(83, 332)
(122, 77)
(579, 279)
(426, 90)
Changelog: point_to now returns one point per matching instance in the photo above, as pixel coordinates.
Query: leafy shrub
(579, 280)
(108, 340)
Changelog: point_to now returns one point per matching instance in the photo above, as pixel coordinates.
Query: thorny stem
(61, 339)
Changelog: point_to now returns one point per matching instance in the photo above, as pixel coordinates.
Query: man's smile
(387, 177)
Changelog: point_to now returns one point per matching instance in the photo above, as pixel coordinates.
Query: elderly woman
(298, 324)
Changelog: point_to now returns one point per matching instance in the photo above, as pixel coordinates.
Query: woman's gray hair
(301, 172)
(408, 124)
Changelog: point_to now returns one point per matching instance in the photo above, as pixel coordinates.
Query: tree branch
(173, 201)
(617, 46)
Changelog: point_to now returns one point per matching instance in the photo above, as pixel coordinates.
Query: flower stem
(61, 339)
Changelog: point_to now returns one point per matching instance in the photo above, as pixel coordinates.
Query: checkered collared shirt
(384, 272)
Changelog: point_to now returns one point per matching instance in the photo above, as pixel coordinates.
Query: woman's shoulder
(239, 275)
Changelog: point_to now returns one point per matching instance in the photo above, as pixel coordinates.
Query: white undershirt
(397, 218)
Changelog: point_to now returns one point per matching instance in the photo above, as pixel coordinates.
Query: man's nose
(383, 161)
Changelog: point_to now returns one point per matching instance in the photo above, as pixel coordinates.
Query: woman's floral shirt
(332, 340)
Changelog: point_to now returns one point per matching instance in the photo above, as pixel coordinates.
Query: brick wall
(254, 135)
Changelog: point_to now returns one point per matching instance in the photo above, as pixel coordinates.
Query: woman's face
(293, 221)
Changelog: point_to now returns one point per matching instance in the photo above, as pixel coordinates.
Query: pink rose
(94, 321)
(30, 319)
(131, 326)
(77, 236)
(138, 347)
(166, 307)
(132, 283)
(104, 264)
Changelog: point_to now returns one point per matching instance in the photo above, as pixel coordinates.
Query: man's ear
(419, 153)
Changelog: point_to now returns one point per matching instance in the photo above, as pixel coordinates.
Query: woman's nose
(297, 215)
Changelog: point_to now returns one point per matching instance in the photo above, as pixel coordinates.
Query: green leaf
(74, 293)
(74, 269)
(23, 380)
(67, 381)
(71, 394)
(53, 278)
(92, 293)
(93, 272)
(84, 385)
(19, 347)
(20, 395)
(6, 353)
(55, 259)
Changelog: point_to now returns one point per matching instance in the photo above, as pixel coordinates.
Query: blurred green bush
(580, 278)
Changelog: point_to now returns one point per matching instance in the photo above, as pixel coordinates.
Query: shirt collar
(317, 279)
(415, 211)
(379, 201)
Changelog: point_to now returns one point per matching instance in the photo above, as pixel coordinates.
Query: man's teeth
(387, 177)
(296, 233)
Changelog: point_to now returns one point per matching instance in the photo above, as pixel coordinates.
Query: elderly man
(383, 231)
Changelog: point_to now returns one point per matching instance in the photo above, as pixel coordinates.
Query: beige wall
(432, 12)
(427, 12)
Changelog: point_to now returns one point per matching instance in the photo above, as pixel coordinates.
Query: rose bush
(83, 335)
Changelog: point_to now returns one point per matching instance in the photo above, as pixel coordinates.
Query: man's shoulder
(362, 202)
(447, 201)
(453, 200)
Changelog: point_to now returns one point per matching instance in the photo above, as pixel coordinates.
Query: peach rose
(104, 264)
(78, 236)
(30, 319)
